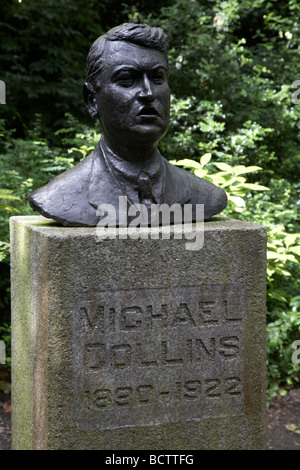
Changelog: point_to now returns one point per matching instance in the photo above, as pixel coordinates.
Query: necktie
(145, 189)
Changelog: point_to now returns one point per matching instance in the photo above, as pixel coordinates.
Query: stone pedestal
(138, 343)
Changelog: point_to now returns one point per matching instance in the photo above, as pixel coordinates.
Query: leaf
(238, 201)
(231, 182)
(292, 427)
(8, 208)
(241, 169)
(295, 249)
(7, 194)
(205, 159)
(224, 167)
(277, 296)
(201, 173)
(282, 271)
(256, 187)
(218, 179)
(291, 239)
(188, 163)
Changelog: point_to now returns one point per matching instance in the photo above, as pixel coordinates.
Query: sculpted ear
(90, 100)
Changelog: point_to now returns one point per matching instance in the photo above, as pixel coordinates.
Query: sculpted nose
(146, 91)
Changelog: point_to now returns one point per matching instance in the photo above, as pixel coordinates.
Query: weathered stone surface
(138, 344)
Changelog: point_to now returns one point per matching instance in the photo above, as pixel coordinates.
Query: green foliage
(30, 162)
(6, 194)
(4, 249)
(43, 50)
(229, 178)
(232, 65)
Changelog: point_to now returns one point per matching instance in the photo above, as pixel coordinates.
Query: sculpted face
(133, 99)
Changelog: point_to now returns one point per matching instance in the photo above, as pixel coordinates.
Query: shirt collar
(127, 173)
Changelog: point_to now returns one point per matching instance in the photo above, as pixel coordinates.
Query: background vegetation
(235, 121)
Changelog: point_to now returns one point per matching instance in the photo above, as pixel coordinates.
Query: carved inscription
(158, 355)
(100, 356)
(189, 391)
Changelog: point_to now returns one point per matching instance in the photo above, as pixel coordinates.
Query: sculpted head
(127, 84)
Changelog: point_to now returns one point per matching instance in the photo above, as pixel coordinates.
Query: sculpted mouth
(148, 111)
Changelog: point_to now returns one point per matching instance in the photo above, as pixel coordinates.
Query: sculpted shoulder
(191, 189)
(62, 198)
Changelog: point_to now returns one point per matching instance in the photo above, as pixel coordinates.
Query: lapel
(177, 188)
(102, 188)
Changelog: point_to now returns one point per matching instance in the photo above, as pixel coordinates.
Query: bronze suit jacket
(72, 197)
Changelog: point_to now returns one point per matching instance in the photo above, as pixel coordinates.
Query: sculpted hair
(140, 34)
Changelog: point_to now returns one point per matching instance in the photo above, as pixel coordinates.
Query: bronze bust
(127, 90)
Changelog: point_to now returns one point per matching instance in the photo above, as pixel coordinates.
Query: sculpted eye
(125, 79)
(158, 77)
(126, 82)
